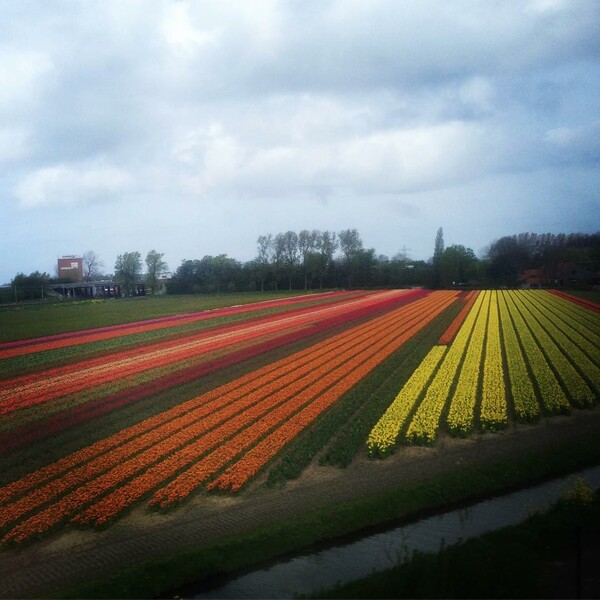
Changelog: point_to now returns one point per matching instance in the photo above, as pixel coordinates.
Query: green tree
(264, 258)
(350, 245)
(29, 287)
(326, 245)
(438, 251)
(457, 265)
(128, 267)
(156, 268)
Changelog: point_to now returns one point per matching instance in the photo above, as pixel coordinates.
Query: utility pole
(404, 252)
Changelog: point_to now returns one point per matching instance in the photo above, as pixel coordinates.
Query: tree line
(308, 259)
(314, 259)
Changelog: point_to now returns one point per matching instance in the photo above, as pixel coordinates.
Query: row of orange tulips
(453, 328)
(49, 385)
(244, 384)
(141, 459)
(250, 463)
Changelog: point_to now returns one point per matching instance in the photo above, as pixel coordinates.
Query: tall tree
(264, 257)
(128, 267)
(438, 251)
(327, 244)
(92, 265)
(156, 268)
(351, 245)
(457, 265)
(508, 259)
(307, 241)
(290, 255)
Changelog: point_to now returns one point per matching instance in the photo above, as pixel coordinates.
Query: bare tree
(290, 253)
(92, 265)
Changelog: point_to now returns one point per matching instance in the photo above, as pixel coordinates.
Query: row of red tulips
(63, 340)
(48, 385)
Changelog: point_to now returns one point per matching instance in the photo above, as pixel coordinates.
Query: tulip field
(511, 355)
(96, 422)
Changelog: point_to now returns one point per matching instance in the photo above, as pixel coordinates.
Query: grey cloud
(217, 110)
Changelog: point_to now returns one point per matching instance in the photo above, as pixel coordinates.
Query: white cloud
(22, 78)
(14, 145)
(180, 33)
(72, 185)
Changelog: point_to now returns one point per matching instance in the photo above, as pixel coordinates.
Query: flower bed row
(253, 379)
(461, 415)
(62, 340)
(574, 328)
(575, 300)
(523, 394)
(493, 413)
(177, 375)
(46, 386)
(563, 354)
(456, 324)
(552, 395)
(383, 436)
(549, 345)
(243, 397)
(424, 425)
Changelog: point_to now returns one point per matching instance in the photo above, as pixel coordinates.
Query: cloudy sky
(193, 127)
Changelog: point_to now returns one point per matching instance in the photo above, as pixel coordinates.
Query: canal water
(311, 572)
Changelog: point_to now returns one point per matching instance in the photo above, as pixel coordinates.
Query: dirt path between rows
(46, 567)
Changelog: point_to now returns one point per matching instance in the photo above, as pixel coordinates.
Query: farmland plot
(520, 353)
(505, 355)
(219, 439)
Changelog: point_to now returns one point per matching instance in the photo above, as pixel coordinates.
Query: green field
(36, 320)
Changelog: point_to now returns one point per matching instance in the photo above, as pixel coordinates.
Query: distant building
(70, 267)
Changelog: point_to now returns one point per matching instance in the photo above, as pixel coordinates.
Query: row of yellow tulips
(493, 413)
(461, 415)
(541, 345)
(424, 425)
(572, 344)
(578, 389)
(551, 393)
(383, 436)
(524, 399)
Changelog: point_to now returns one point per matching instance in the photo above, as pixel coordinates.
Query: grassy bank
(552, 554)
(254, 547)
